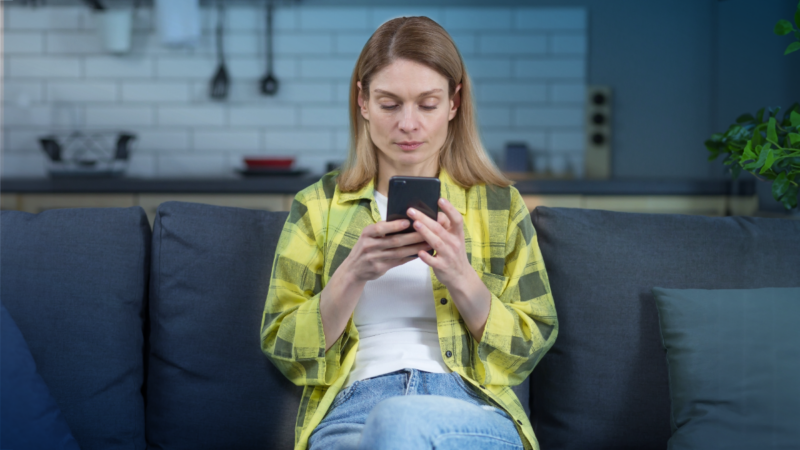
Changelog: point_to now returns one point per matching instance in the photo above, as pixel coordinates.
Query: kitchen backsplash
(528, 66)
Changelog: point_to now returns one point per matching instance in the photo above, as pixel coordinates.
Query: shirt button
(448, 353)
(443, 301)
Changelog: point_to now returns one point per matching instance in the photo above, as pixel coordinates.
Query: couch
(150, 339)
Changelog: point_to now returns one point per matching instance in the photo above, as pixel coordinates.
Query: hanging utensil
(220, 82)
(269, 85)
(95, 5)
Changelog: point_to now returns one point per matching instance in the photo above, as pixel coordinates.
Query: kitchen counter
(291, 185)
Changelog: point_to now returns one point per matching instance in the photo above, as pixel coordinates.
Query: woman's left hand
(451, 266)
(446, 236)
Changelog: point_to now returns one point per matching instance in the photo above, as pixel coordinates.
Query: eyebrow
(424, 94)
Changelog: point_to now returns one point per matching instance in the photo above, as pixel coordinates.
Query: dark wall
(682, 70)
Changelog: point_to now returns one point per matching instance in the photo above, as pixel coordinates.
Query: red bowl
(257, 162)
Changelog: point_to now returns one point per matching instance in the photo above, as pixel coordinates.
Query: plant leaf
(744, 118)
(772, 135)
(789, 199)
(762, 155)
(797, 16)
(795, 118)
(783, 27)
(780, 186)
(748, 153)
(768, 162)
(760, 116)
(794, 139)
(757, 138)
(793, 47)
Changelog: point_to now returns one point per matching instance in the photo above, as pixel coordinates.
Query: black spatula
(269, 85)
(220, 82)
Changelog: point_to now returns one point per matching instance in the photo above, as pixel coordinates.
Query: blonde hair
(421, 40)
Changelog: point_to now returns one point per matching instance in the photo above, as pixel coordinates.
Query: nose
(409, 121)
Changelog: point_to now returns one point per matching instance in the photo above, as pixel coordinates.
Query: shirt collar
(450, 190)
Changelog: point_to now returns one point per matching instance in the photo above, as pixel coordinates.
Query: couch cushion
(734, 366)
(604, 385)
(209, 385)
(30, 416)
(75, 281)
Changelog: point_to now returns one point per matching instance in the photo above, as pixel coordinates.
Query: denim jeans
(411, 409)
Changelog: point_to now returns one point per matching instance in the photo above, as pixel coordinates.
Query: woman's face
(408, 111)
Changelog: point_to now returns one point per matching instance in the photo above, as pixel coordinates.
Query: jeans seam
(465, 387)
(453, 433)
(347, 396)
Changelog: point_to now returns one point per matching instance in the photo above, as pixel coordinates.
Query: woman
(397, 348)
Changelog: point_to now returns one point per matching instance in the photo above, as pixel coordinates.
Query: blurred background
(588, 103)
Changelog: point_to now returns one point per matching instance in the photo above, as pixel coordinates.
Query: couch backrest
(604, 383)
(209, 386)
(75, 282)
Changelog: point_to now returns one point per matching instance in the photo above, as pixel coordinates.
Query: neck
(387, 170)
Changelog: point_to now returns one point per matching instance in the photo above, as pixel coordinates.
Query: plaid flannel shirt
(323, 226)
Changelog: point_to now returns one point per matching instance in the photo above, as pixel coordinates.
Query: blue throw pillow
(29, 415)
(734, 367)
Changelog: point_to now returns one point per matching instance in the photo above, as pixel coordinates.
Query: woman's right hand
(373, 255)
(375, 252)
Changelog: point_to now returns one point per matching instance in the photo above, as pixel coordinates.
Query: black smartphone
(420, 193)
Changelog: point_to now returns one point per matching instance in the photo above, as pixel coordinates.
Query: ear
(362, 102)
(455, 102)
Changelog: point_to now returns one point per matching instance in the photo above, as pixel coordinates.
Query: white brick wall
(528, 66)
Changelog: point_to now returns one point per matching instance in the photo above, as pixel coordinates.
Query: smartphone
(420, 193)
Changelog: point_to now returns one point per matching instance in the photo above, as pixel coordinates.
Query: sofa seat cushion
(604, 383)
(75, 282)
(209, 385)
(734, 366)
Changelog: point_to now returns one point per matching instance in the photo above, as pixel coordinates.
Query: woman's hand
(446, 236)
(451, 266)
(375, 253)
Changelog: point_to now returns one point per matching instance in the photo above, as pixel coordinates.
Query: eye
(428, 108)
(389, 107)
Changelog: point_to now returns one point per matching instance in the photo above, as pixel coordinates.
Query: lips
(408, 145)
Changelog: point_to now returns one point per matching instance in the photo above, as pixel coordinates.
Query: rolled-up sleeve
(522, 323)
(292, 336)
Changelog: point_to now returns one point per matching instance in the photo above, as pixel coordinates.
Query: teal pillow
(29, 416)
(734, 367)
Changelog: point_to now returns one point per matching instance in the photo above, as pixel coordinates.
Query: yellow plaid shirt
(323, 226)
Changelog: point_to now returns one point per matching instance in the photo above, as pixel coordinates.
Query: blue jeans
(411, 409)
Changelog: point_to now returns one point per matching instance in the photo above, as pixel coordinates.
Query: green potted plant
(764, 145)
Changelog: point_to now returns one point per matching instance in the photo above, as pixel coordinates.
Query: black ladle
(269, 85)
(220, 82)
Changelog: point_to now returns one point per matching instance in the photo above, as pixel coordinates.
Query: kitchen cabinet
(267, 202)
(9, 202)
(703, 197)
(718, 205)
(707, 205)
(36, 203)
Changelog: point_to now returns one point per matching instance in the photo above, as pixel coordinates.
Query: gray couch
(150, 339)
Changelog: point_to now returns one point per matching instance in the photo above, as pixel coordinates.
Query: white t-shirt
(396, 321)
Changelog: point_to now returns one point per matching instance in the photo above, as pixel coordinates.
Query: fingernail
(405, 224)
(411, 212)
(441, 201)
(417, 225)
